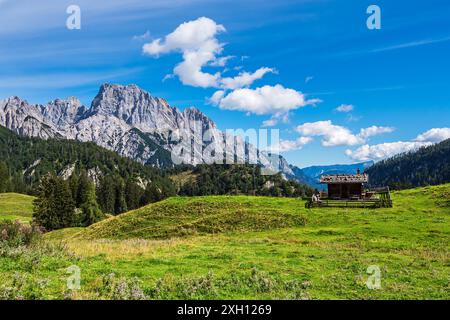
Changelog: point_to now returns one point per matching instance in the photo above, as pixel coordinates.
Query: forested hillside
(427, 166)
(122, 184)
(234, 179)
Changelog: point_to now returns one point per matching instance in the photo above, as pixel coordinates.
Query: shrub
(120, 288)
(15, 234)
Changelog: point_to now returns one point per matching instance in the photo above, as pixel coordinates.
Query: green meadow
(239, 247)
(14, 206)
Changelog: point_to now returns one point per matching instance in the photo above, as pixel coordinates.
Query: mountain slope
(133, 123)
(28, 159)
(234, 179)
(426, 166)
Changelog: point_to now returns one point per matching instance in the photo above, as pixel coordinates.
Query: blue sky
(396, 78)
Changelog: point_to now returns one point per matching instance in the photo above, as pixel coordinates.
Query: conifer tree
(106, 195)
(90, 209)
(120, 204)
(82, 188)
(53, 207)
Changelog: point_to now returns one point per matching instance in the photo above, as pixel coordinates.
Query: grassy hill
(251, 248)
(14, 206)
(184, 216)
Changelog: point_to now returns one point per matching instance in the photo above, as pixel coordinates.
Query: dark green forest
(426, 166)
(237, 179)
(121, 184)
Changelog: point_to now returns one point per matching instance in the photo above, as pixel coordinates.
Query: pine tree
(73, 185)
(133, 194)
(120, 204)
(53, 207)
(90, 209)
(82, 188)
(106, 194)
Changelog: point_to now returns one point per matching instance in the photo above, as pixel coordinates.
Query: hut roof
(344, 178)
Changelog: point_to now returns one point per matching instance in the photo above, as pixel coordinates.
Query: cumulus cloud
(374, 131)
(291, 145)
(386, 150)
(221, 61)
(197, 41)
(435, 135)
(345, 108)
(245, 79)
(264, 100)
(334, 135)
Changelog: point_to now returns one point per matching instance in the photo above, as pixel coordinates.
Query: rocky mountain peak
(194, 114)
(14, 100)
(125, 119)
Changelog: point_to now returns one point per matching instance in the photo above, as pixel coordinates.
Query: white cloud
(192, 35)
(264, 100)
(291, 145)
(221, 61)
(386, 150)
(308, 79)
(196, 41)
(374, 131)
(216, 97)
(270, 122)
(244, 79)
(345, 108)
(275, 119)
(435, 135)
(334, 135)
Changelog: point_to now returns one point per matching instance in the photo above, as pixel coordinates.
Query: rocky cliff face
(133, 123)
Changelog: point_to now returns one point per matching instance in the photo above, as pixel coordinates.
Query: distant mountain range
(131, 122)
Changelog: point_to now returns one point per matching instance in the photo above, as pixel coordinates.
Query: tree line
(235, 179)
(78, 202)
(426, 166)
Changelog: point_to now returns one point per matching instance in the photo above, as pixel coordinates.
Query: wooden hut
(345, 186)
(348, 190)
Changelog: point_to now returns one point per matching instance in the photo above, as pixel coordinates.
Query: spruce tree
(90, 209)
(120, 203)
(82, 188)
(133, 194)
(53, 207)
(106, 194)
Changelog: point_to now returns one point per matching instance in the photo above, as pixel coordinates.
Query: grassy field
(14, 206)
(246, 248)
